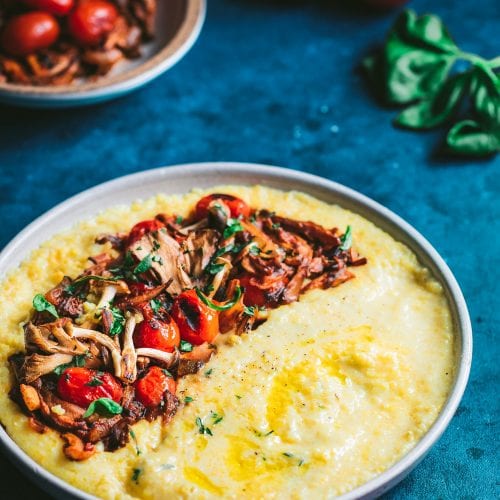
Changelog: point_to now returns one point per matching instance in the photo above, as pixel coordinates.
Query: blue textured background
(274, 82)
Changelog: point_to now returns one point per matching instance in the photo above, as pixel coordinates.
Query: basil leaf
(144, 265)
(346, 239)
(77, 361)
(427, 31)
(41, 304)
(118, 322)
(470, 138)
(103, 406)
(486, 91)
(439, 107)
(233, 226)
(215, 268)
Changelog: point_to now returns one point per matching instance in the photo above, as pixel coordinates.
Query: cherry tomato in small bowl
(28, 33)
(56, 7)
(196, 321)
(81, 386)
(91, 21)
(142, 228)
(156, 334)
(236, 205)
(149, 390)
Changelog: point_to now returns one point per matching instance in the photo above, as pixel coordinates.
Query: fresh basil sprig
(41, 304)
(416, 68)
(105, 407)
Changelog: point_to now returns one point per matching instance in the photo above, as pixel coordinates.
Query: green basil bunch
(417, 68)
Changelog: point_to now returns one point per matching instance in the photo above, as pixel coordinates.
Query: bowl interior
(183, 178)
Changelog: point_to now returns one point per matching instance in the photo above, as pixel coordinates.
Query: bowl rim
(305, 182)
(167, 57)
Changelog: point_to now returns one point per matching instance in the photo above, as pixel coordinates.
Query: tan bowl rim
(184, 37)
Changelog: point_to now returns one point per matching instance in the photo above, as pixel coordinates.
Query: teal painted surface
(274, 82)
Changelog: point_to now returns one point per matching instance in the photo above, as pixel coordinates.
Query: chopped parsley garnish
(276, 225)
(185, 346)
(78, 361)
(262, 434)
(144, 265)
(133, 436)
(289, 455)
(95, 382)
(156, 245)
(155, 305)
(157, 258)
(233, 226)
(237, 396)
(216, 417)
(167, 373)
(179, 219)
(252, 310)
(208, 372)
(213, 268)
(118, 322)
(41, 304)
(346, 239)
(103, 406)
(202, 429)
(188, 399)
(135, 475)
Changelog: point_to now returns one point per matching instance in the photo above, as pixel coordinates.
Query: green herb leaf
(224, 307)
(135, 475)
(216, 418)
(95, 382)
(233, 226)
(431, 112)
(103, 406)
(202, 429)
(470, 138)
(136, 444)
(213, 268)
(188, 399)
(155, 305)
(185, 346)
(41, 304)
(179, 219)
(74, 285)
(208, 372)
(346, 239)
(77, 361)
(118, 322)
(144, 265)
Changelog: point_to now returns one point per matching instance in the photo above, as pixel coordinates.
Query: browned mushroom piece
(75, 449)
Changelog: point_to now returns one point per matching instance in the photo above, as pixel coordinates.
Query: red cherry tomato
(56, 7)
(253, 296)
(196, 321)
(142, 228)
(236, 206)
(149, 390)
(91, 21)
(156, 334)
(81, 386)
(28, 33)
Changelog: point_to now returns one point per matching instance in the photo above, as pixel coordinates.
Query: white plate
(183, 178)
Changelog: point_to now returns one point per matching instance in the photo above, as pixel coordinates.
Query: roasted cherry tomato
(29, 33)
(91, 21)
(236, 206)
(81, 386)
(149, 390)
(196, 321)
(253, 295)
(56, 7)
(156, 334)
(142, 228)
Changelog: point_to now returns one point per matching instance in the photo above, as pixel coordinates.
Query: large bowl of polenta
(225, 330)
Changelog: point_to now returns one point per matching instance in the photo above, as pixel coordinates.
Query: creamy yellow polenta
(325, 395)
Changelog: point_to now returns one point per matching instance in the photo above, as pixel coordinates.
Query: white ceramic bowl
(178, 24)
(182, 178)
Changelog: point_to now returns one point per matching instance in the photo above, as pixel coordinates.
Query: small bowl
(181, 179)
(178, 24)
